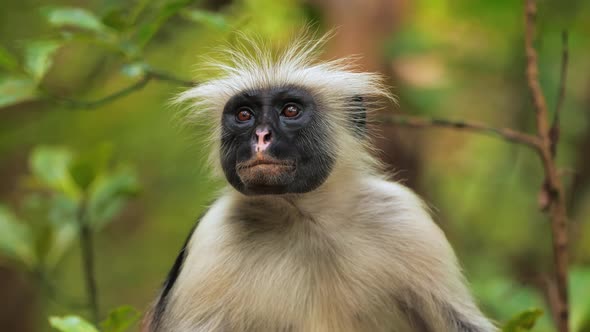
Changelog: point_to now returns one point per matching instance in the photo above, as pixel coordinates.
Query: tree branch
(507, 134)
(552, 189)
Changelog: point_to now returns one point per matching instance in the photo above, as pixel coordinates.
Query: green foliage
(207, 18)
(75, 191)
(63, 17)
(135, 69)
(79, 189)
(7, 61)
(50, 167)
(524, 321)
(123, 35)
(39, 57)
(580, 299)
(484, 190)
(16, 238)
(147, 30)
(71, 324)
(14, 90)
(109, 194)
(120, 319)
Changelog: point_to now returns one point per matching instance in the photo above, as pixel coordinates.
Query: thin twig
(162, 76)
(87, 246)
(508, 134)
(532, 69)
(92, 104)
(150, 74)
(554, 131)
(552, 189)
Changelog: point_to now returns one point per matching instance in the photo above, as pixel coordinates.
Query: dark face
(272, 142)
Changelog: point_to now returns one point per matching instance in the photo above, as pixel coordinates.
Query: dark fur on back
(160, 307)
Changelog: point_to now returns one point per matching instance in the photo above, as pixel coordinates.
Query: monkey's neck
(338, 194)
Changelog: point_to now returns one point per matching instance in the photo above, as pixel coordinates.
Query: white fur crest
(252, 65)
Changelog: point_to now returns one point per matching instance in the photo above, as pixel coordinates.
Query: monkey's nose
(263, 138)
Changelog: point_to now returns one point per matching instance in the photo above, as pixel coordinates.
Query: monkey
(309, 234)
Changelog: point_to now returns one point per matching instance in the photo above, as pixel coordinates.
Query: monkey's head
(284, 122)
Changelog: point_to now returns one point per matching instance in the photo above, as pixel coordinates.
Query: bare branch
(507, 134)
(532, 68)
(552, 188)
(554, 130)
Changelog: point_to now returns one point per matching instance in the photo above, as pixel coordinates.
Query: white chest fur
(272, 266)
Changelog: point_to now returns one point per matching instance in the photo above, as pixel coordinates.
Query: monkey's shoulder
(396, 212)
(392, 202)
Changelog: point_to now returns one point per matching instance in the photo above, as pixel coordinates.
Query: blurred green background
(459, 59)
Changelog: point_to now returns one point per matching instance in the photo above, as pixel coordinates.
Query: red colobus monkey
(309, 235)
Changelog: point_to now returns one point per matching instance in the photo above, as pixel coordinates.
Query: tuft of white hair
(252, 64)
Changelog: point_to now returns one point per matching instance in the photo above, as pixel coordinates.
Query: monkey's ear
(358, 116)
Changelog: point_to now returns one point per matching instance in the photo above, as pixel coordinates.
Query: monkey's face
(274, 142)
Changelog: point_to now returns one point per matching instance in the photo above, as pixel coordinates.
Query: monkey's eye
(291, 111)
(244, 114)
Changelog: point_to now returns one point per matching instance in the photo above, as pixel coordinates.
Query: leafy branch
(71, 198)
(122, 33)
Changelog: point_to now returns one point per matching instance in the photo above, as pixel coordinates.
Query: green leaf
(116, 17)
(64, 237)
(135, 69)
(7, 60)
(120, 319)
(147, 31)
(88, 166)
(524, 321)
(50, 166)
(14, 90)
(108, 195)
(62, 215)
(73, 17)
(16, 239)
(83, 173)
(39, 58)
(71, 324)
(207, 18)
(62, 209)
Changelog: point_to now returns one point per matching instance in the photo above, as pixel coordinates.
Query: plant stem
(87, 247)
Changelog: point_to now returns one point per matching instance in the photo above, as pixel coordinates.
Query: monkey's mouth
(265, 161)
(266, 171)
